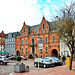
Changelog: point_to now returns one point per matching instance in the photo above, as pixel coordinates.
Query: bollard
(27, 68)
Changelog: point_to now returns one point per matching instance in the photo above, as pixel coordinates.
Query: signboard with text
(40, 46)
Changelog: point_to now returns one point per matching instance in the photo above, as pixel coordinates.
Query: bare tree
(66, 29)
(66, 11)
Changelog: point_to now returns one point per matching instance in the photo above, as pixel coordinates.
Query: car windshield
(55, 58)
(46, 60)
(5, 57)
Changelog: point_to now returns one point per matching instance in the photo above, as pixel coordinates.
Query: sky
(13, 13)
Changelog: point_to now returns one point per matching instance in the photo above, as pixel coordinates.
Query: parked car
(55, 60)
(43, 62)
(24, 58)
(3, 60)
(12, 58)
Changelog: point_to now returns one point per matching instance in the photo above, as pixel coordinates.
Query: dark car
(12, 58)
(43, 62)
(24, 58)
(55, 60)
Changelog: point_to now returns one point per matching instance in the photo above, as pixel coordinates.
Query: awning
(4, 52)
(0, 51)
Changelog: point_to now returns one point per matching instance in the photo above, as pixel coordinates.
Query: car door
(39, 62)
(0, 58)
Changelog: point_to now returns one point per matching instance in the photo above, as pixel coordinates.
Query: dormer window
(43, 25)
(53, 38)
(24, 29)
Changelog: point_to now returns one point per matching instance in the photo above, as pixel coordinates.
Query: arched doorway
(18, 53)
(54, 53)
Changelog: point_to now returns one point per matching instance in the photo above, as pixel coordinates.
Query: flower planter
(19, 68)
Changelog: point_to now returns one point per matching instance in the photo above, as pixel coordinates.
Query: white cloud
(14, 12)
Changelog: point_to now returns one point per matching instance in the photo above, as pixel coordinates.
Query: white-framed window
(22, 41)
(25, 50)
(46, 49)
(26, 41)
(24, 29)
(61, 45)
(45, 30)
(46, 39)
(61, 53)
(22, 50)
(64, 45)
(67, 52)
(53, 38)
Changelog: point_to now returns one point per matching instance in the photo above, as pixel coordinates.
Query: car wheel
(60, 64)
(44, 66)
(1, 62)
(5, 63)
(35, 65)
(52, 65)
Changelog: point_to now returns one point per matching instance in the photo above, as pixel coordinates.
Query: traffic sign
(41, 41)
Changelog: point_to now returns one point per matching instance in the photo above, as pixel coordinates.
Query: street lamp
(38, 52)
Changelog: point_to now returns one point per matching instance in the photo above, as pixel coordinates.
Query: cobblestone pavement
(7, 69)
(60, 70)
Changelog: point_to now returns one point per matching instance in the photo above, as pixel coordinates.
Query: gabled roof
(52, 27)
(13, 34)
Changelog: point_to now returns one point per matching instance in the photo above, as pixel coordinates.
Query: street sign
(41, 41)
(40, 46)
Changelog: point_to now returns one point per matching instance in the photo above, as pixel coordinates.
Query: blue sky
(14, 12)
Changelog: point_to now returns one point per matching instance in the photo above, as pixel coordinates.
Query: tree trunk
(70, 68)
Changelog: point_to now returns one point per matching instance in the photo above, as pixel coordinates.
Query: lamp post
(38, 52)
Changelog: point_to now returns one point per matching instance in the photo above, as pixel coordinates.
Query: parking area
(9, 68)
(6, 69)
(59, 70)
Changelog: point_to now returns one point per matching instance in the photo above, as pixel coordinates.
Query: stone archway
(54, 53)
(18, 53)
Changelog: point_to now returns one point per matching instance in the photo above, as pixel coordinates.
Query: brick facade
(2, 40)
(27, 43)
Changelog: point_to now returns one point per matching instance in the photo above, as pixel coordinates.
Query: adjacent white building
(10, 42)
(64, 50)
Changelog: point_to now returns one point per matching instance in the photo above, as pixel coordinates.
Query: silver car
(3, 60)
(55, 60)
(43, 62)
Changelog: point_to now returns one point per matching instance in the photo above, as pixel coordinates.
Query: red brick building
(2, 40)
(27, 43)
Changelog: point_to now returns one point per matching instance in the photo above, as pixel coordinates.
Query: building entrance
(54, 53)
(18, 53)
